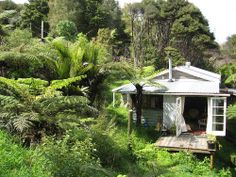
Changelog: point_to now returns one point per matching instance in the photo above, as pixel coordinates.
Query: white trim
(197, 72)
(187, 94)
(118, 88)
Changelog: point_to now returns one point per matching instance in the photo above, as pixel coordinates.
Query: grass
(146, 160)
(17, 161)
(228, 147)
(111, 143)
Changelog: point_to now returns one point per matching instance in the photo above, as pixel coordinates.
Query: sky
(220, 14)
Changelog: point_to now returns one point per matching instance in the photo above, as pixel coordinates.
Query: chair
(202, 122)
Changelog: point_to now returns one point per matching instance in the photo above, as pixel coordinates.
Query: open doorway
(195, 113)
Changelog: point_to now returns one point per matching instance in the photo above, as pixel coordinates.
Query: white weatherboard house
(189, 99)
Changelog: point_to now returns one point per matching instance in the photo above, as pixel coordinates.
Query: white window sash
(210, 121)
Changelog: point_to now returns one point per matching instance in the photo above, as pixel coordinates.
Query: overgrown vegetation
(55, 93)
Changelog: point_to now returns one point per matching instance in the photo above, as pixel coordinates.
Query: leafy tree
(9, 18)
(7, 5)
(155, 25)
(175, 55)
(191, 32)
(2, 34)
(229, 48)
(113, 42)
(67, 29)
(33, 13)
(61, 10)
(23, 56)
(17, 38)
(228, 74)
(88, 15)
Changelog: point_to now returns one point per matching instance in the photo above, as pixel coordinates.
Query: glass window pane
(218, 119)
(218, 111)
(218, 102)
(153, 103)
(217, 127)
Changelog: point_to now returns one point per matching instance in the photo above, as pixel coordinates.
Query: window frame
(212, 114)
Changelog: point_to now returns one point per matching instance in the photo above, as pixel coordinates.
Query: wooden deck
(185, 142)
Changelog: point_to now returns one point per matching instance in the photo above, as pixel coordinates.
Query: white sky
(221, 15)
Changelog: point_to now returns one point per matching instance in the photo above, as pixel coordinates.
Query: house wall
(178, 75)
(151, 117)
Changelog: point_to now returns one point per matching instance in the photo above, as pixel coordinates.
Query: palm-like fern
(26, 101)
(77, 58)
(231, 111)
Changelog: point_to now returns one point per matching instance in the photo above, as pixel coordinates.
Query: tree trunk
(137, 100)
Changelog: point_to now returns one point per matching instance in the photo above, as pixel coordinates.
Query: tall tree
(88, 15)
(191, 33)
(32, 15)
(229, 48)
(172, 23)
(61, 10)
(7, 5)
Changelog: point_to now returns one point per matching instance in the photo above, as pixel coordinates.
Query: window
(152, 101)
(217, 116)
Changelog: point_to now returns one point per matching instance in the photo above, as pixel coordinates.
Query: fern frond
(21, 123)
(231, 111)
(8, 100)
(55, 105)
(20, 60)
(35, 86)
(24, 120)
(60, 84)
(10, 87)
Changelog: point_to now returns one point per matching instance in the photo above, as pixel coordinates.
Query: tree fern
(10, 87)
(54, 105)
(22, 121)
(231, 111)
(34, 85)
(8, 100)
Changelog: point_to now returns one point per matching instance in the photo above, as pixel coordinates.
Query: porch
(185, 142)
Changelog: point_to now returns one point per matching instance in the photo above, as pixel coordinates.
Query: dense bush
(66, 29)
(70, 157)
(159, 162)
(17, 161)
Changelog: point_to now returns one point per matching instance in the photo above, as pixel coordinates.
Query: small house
(188, 99)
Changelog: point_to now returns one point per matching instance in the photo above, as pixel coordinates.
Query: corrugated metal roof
(130, 88)
(209, 83)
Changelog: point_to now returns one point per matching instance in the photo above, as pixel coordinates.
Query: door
(179, 119)
(178, 116)
(216, 124)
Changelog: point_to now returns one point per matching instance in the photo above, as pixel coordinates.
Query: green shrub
(66, 29)
(19, 162)
(70, 157)
(159, 162)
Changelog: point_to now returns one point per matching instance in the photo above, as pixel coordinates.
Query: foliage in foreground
(162, 163)
(53, 157)
(144, 159)
(27, 104)
(18, 161)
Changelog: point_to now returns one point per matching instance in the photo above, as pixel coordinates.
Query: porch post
(130, 116)
(212, 160)
(209, 116)
(114, 99)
